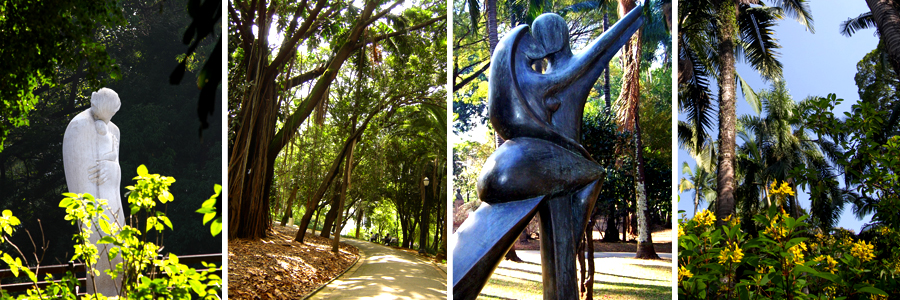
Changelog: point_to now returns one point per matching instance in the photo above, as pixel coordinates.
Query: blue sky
(814, 65)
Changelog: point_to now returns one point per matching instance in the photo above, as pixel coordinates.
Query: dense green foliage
(158, 124)
(41, 37)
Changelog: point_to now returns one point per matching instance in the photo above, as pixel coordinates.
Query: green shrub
(139, 256)
(788, 260)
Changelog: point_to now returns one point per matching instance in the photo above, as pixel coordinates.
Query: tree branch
(406, 30)
(465, 81)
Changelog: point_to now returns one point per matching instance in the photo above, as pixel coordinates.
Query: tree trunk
(404, 228)
(612, 230)
(888, 21)
(696, 198)
(249, 164)
(590, 260)
(332, 214)
(250, 167)
(493, 38)
(359, 213)
(288, 209)
(606, 70)
(727, 30)
(344, 188)
(631, 99)
(315, 223)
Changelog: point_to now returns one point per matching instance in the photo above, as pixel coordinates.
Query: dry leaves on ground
(279, 268)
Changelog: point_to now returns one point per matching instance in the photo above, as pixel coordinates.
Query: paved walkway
(535, 255)
(385, 273)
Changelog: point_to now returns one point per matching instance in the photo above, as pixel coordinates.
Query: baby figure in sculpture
(91, 161)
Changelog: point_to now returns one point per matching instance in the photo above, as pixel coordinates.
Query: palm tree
(712, 35)
(701, 179)
(777, 147)
(628, 106)
(884, 15)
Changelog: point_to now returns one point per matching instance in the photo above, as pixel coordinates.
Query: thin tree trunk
(345, 187)
(590, 260)
(696, 199)
(727, 30)
(316, 220)
(359, 213)
(288, 210)
(606, 94)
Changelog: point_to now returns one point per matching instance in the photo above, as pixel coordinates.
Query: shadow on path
(386, 273)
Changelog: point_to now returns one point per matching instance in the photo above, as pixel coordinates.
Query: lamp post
(423, 230)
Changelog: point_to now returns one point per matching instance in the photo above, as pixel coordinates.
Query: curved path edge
(352, 267)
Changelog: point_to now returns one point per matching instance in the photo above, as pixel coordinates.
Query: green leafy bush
(787, 260)
(140, 257)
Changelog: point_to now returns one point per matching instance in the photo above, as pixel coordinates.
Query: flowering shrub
(139, 255)
(787, 260)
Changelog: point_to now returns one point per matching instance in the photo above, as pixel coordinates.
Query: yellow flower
(829, 263)
(780, 193)
(775, 230)
(786, 189)
(830, 291)
(731, 253)
(684, 273)
(877, 297)
(680, 230)
(863, 251)
(797, 252)
(732, 220)
(705, 218)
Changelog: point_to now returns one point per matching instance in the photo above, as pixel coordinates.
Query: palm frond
(474, 14)
(852, 25)
(749, 95)
(798, 10)
(757, 39)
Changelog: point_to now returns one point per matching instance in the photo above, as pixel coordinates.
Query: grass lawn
(614, 278)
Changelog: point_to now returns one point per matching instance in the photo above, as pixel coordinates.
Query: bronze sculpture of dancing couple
(542, 167)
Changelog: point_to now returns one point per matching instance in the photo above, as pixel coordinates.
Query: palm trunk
(888, 21)
(727, 27)
(696, 200)
(631, 99)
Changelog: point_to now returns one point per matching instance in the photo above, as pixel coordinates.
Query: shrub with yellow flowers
(785, 260)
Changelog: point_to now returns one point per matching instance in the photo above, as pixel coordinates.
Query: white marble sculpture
(91, 161)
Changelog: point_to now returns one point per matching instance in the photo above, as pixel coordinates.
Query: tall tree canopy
(285, 59)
